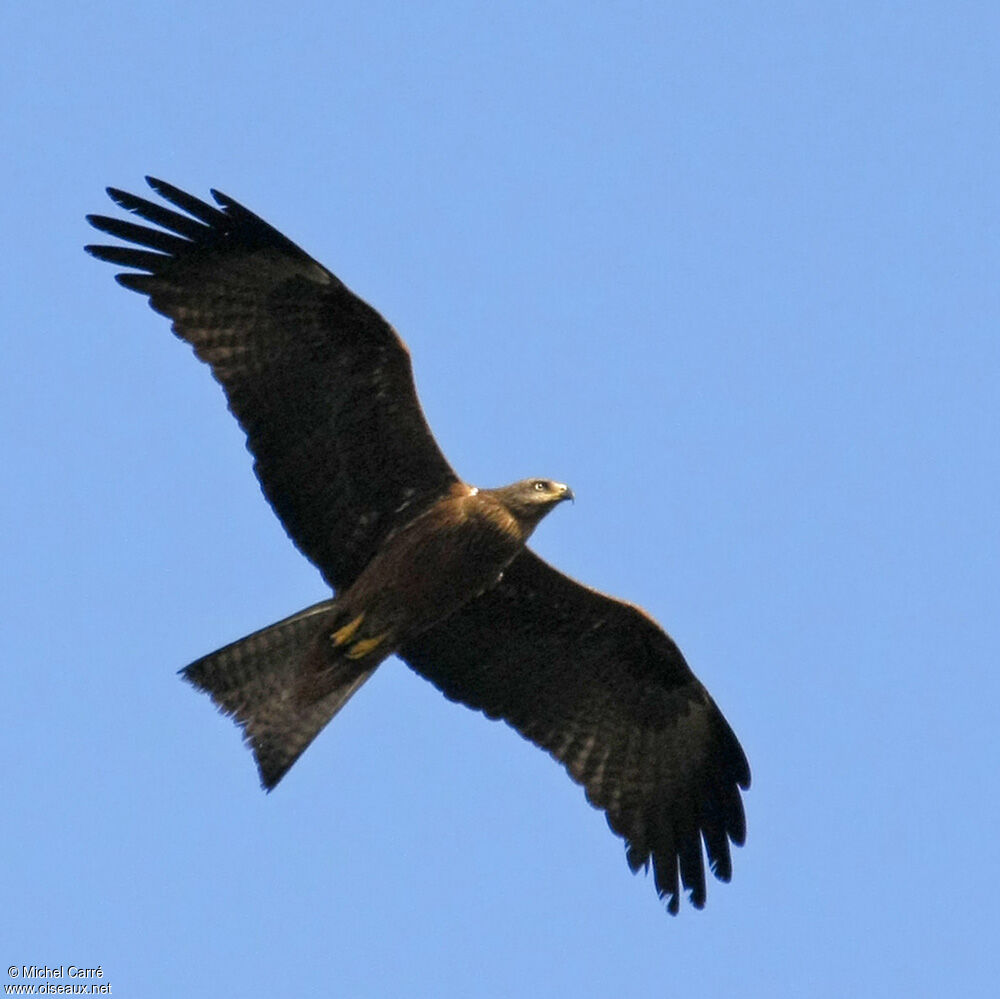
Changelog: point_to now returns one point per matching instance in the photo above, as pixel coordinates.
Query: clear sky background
(731, 270)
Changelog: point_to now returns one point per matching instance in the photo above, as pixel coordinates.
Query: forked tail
(266, 683)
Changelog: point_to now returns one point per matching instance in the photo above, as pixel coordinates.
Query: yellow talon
(344, 634)
(360, 649)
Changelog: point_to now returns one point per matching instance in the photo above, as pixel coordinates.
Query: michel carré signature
(60, 971)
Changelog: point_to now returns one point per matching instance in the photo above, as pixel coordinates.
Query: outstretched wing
(601, 686)
(319, 381)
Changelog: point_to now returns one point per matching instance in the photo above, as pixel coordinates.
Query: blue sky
(728, 269)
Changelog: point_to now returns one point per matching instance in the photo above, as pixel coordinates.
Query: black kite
(423, 565)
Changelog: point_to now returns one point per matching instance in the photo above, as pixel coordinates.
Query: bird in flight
(422, 564)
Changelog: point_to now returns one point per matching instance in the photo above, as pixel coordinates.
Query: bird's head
(531, 499)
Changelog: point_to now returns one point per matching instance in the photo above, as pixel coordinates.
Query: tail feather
(264, 681)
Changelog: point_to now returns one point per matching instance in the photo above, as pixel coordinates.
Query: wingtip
(134, 282)
(672, 900)
(635, 858)
(723, 874)
(698, 897)
(162, 187)
(228, 203)
(118, 196)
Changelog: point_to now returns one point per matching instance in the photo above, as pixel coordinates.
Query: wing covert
(601, 686)
(318, 380)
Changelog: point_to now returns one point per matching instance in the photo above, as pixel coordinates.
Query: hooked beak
(565, 493)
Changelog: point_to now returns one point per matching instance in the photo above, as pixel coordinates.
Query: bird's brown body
(424, 572)
(422, 564)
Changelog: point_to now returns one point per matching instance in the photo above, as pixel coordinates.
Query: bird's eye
(539, 485)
